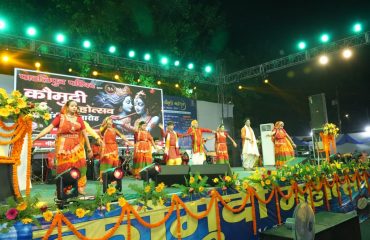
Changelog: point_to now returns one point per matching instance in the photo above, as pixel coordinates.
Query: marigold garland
(277, 206)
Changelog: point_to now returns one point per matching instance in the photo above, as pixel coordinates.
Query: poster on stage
(181, 111)
(97, 99)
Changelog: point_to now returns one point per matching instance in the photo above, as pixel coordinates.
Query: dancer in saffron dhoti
(250, 150)
(171, 150)
(197, 143)
(222, 155)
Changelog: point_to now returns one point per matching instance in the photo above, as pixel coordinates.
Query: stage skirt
(222, 155)
(284, 151)
(142, 156)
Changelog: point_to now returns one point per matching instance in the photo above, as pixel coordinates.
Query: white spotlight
(323, 60)
(347, 53)
(367, 129)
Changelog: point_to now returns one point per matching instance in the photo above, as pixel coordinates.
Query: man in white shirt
(250, 150)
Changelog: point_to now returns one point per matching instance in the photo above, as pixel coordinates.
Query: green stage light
(302, 45)
(147, 57)
(164, 60)
(131, 53)
(60, 38)
(112, 49)
(357, 27)
(86, 44)
(31, 31)
(190, 66)
(2, 24)
(177, 63)
(324, 38)
(208, 69)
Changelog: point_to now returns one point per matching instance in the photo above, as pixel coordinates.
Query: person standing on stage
(197, 143)
(249, 146)
(70, 141)
(142, 150)
(109, 153)
(284, 145)
(222, 156)
(171, 149)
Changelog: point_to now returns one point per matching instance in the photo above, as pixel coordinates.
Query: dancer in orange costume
(284, 145)
(171, 150)
(109, 152)
(195, 132)
(222, 155)
(143, 151)
(70, 141)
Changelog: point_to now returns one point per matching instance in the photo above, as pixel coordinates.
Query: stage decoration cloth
(16, 116)
(239, 215)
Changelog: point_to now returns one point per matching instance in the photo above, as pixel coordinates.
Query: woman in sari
(143, 148)
(70, 141)
(109, 152)
(222, 155)
(284, 145)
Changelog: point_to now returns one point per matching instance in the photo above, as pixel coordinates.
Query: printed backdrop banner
(181, 111)
(96, 99)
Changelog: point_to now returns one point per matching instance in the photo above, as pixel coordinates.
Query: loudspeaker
(6, 189)
(211, 171)
(173, 174)
(319, 116)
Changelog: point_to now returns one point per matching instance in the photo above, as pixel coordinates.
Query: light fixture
(37, 64)
(240, 87)
(67, 184)
(177, 85)
(112, 49)
(347, 53)
(95, 73)
(110, 176)
(116, 76)
(159, 82)
(323, 59)
(177, 63)
(70, 70)
(86, 44)
(150, 172)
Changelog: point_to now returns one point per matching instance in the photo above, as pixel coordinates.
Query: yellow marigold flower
(17, 111)
(273, 173)
(122, 201)
(111, 190)
(16, 94)
(215, 180)
(237, 188)
(227, 178)
(10, 100)
(234, 177)
(22, 206)
(161, 202)
(4, 112)
(199, 177)
(262, 183)
(245, 185)
(147, 189)
(26, 220)
(107, 206)
(263, 170)
(21, 103)
(283, 179)
(3, 93)
(47, 116)
(80, 212)
(268, 182)
(48, 215)
(191, 180)
(307, 168)
(158, 188)
(201, 189)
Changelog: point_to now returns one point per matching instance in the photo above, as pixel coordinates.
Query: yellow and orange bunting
(111, 190)
(122, 201)
(22, 206)
(147, 189)
(48, 215)
(26, 220)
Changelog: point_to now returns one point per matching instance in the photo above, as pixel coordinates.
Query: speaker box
(211, 171)
(6, 189)
(319, 116)
(173, 174)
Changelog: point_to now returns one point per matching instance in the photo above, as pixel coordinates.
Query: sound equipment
(6, 189)
(318, 112)
(173, 174)
(268, 148)
(211, 171)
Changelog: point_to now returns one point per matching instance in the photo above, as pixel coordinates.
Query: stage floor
(47, 192)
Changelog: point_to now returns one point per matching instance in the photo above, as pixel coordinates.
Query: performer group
(72, 143)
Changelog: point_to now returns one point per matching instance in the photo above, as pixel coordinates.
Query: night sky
(245, 34)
